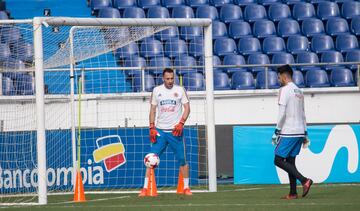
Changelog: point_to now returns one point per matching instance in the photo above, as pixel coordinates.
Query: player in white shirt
(171, 104)
(290, 132)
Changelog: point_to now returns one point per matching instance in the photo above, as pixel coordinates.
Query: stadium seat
(244, 2)
(109, 12)
(312, 26)
(172, 3)
(298, 79)
(264, 28)
(316, 78)
(3, 15)
(193, 81)
(122, 4)
(182, 12)
(234, 59)
(150, 48)
(99, 4)
(207, 12)
(23, 84)
(268, 2)
(322, 43)
(8, 86)
(24, 51)
(185, 64)
(197, 3)
(254, 12)
(167, 34)
(160, 63)
(220, 3)
(291, 2)
(219, 30)
(327, 9)
(273, 45)
(278, 12)
(350, 9)
(303, 10)
(296, 44)
(190, 32)
(288, 27)
(224, 46)
(221, 81)
(257, 59)
(282, 58)
(341, 77)
(239, 29)
(307, 58)
(355, 25)
(158, 12)
(215, 60)
(346, 42)
(249, 45)
(145, 4)
(149, 83)
(337, 26)
(196, 47)
(4, 52)
(133, 12)
(230, 12)
(353, 56)
(134, 61)
(242, 80)
(127, 51)
(10, 34)
(272, 80)
(175, 47)
(331, 57)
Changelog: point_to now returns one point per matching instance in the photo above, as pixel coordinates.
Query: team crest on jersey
(176, 94)
(159, 95)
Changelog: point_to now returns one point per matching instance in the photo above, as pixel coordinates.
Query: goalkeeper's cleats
(143, 192)
(187, 192)
(290, 196)
(306, 187)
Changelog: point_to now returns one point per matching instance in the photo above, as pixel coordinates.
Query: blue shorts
(176, 144)
(289, 146)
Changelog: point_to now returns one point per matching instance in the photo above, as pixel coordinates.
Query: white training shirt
(169, 104)
(293, 121)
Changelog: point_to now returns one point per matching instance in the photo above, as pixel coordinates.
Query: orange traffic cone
(152, 190)
(79, 195)
(180, 186)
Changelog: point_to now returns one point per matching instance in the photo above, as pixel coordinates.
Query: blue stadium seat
(242, 80)
(151, 48)
(254, 12)
(23, 84)
(8, 86)
(303, 10)
(230, 12)
(234, 59)
(175, 47)
(298, 79)
(316, 78)
(219, 30)
(268, 2)
(308, 58)
(239, 29)
(221, 81)
(127, 51)
(346, 42)
(322, 43)
(278, 12)
(145, 4)
(3, 15)
(172, 3)
(258, 59)
(353, 56)
(133, 12)
(24, 51)
(355, 25)
(337, 26)
(122, 4)
(4, 52)
(296, 44)
(220, 3)
(10, 34)
(197, 3)
(134, 61)
(273, 82)
(182, 12)
(291, 2)
(167, 34)
(341, 77)
(161, 63)
(109, 12)
(196, 47)
(224, 46)
(273, 45)
(215, 60)
(288, 27)
(350, 9)
(149, 83)
(312, 26)
(99, 4)
(249, 45)
(207, 12)
(244, 2)
(264, 28)
(282, 58)
(185, 64)
(331, 57)
(327, 9)
(194, 81)
(190, 32)
(158, 12)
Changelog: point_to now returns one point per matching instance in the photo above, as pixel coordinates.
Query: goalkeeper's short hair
(285, 69)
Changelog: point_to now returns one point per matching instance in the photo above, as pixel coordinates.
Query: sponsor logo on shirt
(168, 102)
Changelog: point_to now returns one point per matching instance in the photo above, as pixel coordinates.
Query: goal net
(87, 84)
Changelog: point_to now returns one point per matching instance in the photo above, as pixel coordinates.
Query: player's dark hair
(285, 69)
(168, 70)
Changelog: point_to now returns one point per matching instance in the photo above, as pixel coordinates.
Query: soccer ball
(151, 160)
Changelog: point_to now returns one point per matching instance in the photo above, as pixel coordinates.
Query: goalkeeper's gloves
(178, 129)
(276, 137)
(306, 142)
(153, 133)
